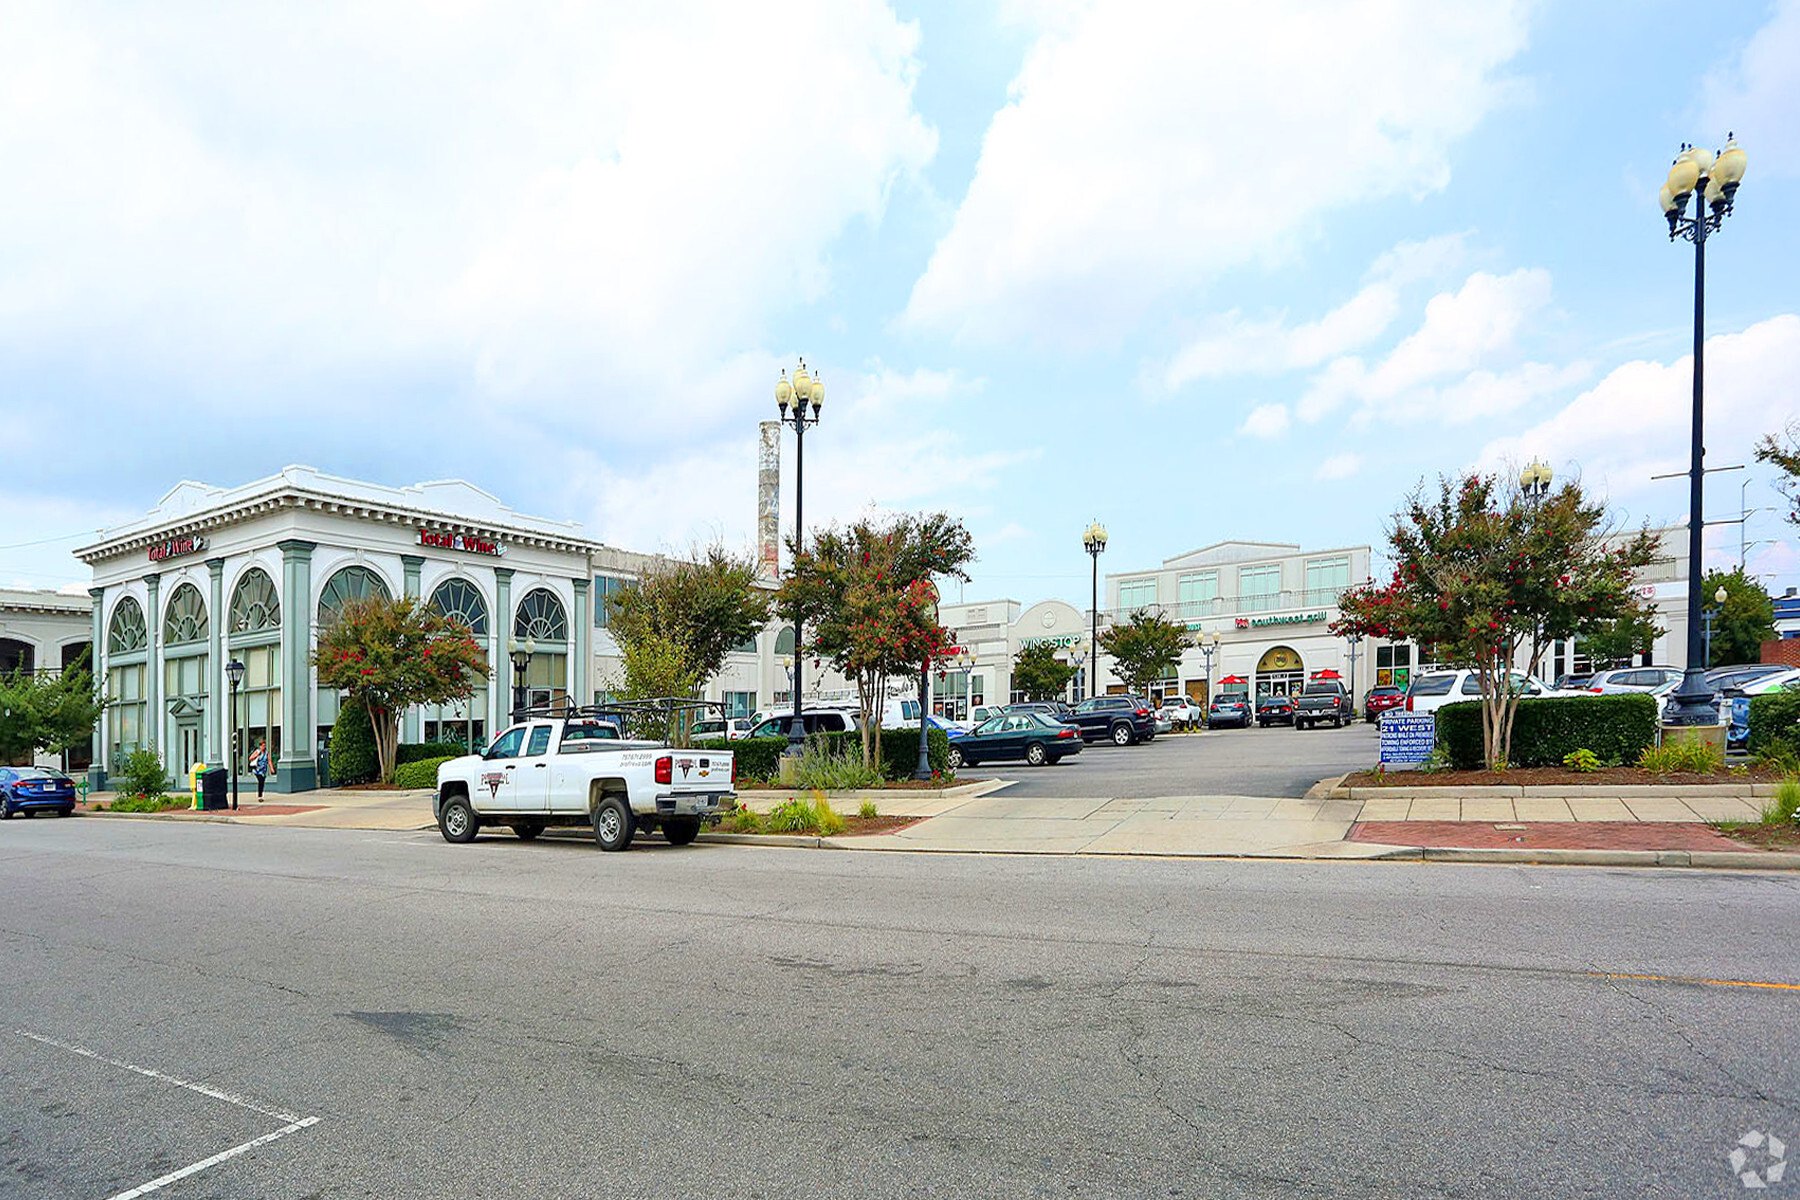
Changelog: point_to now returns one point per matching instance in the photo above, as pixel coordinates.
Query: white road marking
(294, 1123)
(144, 1189)
(148, 1073)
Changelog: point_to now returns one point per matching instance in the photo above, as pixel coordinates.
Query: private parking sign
(1407, 738)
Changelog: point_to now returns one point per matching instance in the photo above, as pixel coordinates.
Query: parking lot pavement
(1274, 762)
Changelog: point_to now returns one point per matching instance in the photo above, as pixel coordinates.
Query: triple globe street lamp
(1094, 542)
(234, 674)
(1714, 178)
(793, 397)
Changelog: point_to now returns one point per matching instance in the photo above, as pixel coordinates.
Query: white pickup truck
(579, 770)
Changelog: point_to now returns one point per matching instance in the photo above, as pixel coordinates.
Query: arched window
(784, 641)
(541, 617)
(255, 608)
(351, 583)
(184, 620)
(459, 599)
(16, 656)
(127, 634)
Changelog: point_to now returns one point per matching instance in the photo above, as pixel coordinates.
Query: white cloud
(531, 201)
(1146, 147)
(1635, 422)
(1460, 332)
(1339, 466)
(1757, 94)
(1231, 344)
(1266, 421)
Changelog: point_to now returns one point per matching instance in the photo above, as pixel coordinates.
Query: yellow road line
(1744, 983)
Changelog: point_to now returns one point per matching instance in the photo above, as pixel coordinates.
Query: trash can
(215, 789)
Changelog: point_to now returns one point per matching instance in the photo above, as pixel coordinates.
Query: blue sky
(1201, 271)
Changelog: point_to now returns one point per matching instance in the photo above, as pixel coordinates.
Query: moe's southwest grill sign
(467, 543)
(176, 547)
(1294, 619)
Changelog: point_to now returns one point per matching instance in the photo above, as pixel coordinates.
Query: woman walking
(259, 767)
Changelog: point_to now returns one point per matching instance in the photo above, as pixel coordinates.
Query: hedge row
(407, 752)
(1615, 728)
(421, 772)
(1774, 718)
(758, 759)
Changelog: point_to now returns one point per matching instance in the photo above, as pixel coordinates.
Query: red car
(1380, 699)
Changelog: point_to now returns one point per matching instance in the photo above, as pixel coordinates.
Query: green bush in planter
(421, 772)
(1774, 719)
(408, 752)
(1547, 729)
(140, 773)
(900, 750)
(756, 757)
(352, 746)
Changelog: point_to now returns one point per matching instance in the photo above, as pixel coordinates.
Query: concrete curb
(790, 840)
(1639, 791)
(962, 791)
(1733, 860)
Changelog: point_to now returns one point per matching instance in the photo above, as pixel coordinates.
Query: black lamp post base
(1693, 703)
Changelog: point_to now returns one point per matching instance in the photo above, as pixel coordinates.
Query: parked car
(1182, 712)
(1056, 710)
(1229, 708)
(814, 720)
(1630, 679)
(1032, 736)
(1431, 691)
(1323, 700)
(1570, 683)
(733, 728)
(31, 790)
(1274, 710)
(981, 714)
(578, 771)
(1720, 678)
(1380, 699)
(1125, 720)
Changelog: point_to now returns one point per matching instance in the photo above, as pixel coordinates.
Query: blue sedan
(31, 789)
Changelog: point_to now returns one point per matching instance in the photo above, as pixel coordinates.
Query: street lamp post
(521, 659)
(1078, 658)
(1355, 639)
(1712, 613)
(234, 672)
(1715, 178)
(1209, 646)
(1094, 541)
(796, 394)
(1534, 481)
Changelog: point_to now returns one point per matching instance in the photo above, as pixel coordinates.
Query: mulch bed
(1766, 837)
(368, 787)
(854, 826)
(1538, 776)
(1545, 835)
(886, 785)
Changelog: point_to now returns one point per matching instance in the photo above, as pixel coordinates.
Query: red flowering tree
(870, 604)
(392, 654)
(1489, 578)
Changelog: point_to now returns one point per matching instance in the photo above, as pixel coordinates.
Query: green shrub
(352, 746)
(1583, 760)
(149, 804)
(1548, 728)
(1774, 722)
(410, 752)
(757, 758)
(1782, 807)
(868, 811)
(1686, 755)
(900, 751)
(832, 766)
(814, 816)
(141, 774)
(420, 773)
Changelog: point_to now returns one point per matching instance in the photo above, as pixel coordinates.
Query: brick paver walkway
(1546, 835)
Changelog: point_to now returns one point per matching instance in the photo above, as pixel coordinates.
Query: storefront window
(739, 704)
(1198, 595)
(351, 583)
(604, 586)
(1259, 588)
(1326, 579)
(258, 704)
(125, 710)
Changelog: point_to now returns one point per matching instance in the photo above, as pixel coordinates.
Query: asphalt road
(534, 1020)
(1277, 761)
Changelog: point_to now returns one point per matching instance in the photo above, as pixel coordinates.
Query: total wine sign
(468, 543)
(176, 547)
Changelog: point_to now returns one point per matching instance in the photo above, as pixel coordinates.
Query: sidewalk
(327, 808)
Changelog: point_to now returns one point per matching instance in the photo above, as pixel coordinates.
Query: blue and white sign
(1407, 738)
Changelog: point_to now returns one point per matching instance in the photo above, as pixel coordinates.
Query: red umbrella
(1233, 679)
(1327, 673)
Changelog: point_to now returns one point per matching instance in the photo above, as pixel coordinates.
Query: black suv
(1124, 720)
(1056, 710)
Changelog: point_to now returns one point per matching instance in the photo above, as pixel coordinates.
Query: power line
(67, 537)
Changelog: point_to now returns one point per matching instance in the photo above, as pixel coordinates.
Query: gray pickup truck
(1323, 700)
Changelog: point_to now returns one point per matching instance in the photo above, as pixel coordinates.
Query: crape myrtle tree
(46, 713)
(1144, 648)
(1485, 575)
(1783, 454)
(389, 655)
(1039, 674)
(675, 624)
(869, 601)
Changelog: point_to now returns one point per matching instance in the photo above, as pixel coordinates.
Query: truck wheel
(681, 830)
(1337, 722)
(1035, 755)
(457, 821)
(527, 829)
(956, 758)
(614, 824)
(1121, 734)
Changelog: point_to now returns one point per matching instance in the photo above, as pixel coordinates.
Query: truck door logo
(492, 782)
